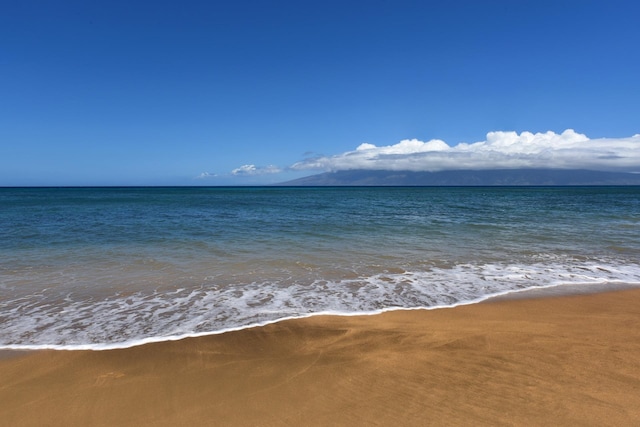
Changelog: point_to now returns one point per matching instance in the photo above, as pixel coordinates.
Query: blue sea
(98, 268)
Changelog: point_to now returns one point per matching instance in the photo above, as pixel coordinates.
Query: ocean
(99, 268)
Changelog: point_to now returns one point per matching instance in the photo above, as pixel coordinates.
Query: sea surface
(97, 268)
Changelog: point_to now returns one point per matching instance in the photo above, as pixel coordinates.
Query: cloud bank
(500, 150)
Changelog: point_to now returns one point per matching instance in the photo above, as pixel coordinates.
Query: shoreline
(550, 291)
(563, 290)
(558, 360)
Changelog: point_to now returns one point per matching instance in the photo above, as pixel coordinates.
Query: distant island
(496, 177)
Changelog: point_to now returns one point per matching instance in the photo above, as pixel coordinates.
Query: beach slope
(571, 360)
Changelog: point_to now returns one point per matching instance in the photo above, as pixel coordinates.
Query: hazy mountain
(469, 178)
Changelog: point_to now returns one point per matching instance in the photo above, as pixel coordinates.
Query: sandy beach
(570, 360)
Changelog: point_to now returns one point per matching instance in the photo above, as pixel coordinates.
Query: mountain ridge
(488, 177)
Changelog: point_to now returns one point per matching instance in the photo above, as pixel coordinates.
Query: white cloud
(500, 150)
(407, 146)
(251, 170)
(205, 175)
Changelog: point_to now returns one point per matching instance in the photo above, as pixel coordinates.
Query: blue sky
(184, 93)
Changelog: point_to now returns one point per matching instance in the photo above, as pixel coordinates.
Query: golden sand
(571, 360)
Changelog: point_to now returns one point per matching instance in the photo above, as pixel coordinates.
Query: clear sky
(185, 92)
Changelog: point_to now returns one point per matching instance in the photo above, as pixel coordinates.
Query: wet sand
(562, 360)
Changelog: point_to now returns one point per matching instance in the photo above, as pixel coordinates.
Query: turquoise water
(114, 267)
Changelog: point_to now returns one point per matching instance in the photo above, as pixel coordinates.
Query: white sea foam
(44, 320)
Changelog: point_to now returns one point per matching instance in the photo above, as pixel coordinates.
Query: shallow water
(112, 267)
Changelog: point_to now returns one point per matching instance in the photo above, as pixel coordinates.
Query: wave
(46, 320)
